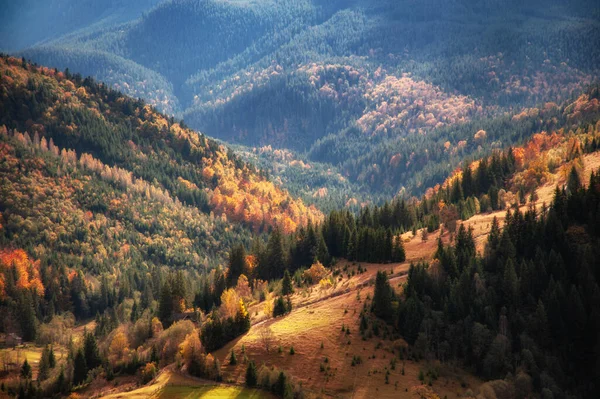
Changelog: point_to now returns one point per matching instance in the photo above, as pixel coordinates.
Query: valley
(300, 199)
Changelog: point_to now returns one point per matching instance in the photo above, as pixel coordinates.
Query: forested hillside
(96, 183)
(388, 93)
(525, 311)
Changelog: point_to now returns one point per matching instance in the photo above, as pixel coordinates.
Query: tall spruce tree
(287, 287)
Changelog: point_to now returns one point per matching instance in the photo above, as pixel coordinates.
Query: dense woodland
(92, 221)
(535, 312)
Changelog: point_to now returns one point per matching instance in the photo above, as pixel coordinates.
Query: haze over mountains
(300, 199)
(362, 86)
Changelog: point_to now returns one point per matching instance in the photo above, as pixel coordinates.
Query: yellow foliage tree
(118, 348)
(229, 303)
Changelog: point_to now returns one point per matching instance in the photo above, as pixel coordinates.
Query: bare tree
(266, 337)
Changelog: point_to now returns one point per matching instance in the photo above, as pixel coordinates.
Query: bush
(281, 306)
(148, 372)
(356, 360)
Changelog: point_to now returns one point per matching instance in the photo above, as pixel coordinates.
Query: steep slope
(107, 183)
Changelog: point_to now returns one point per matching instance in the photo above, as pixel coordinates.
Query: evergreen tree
(51, 358)
(237, 264)
(251, 375)
(232, 358)
(27, 317)
(134, 312)
(573, 182)
(383, 296)
(165, 306)
(280, 307)
(275, 261)
(44, 364)
(80, 368)
(26, 370)
(91, 352)
(286, 284)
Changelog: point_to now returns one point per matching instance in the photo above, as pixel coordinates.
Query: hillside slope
(100, 183)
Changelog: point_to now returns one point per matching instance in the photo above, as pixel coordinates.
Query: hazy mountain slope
(28, 22)
(320, 77)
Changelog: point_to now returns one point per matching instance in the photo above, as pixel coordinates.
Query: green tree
(51, 358)
(286, 284)
(165, 306)
(573, 182)
(251, 375)
(383, 296)
(91, 352)
(27, 317)
(26, 370)
(275, 260)
(44, 364)
(80, 368)
(280, 307)
(237, 264)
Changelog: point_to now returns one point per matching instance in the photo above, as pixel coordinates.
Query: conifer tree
(286, 284)
(165, 306)
(237, 264)
(275, 261)
(382, 298)
(80, 368)
(26, 370)
(91, 352)
(251, 375)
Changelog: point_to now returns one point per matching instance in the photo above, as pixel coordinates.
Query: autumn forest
(300, 199)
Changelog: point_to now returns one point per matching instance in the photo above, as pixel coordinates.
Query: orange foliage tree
(27, 271)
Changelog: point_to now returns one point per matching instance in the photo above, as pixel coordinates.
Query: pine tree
(232, 358)
(286, 284)
(237, 264)
(27, 317)
(382, 298)
(279, 307)
(80, 368)
(51, 358)
(44, 364)
(26, 370)
(573, 182)
(275, 262)
(134, 312)
(91, 352)
(165, 306)
(251, 375)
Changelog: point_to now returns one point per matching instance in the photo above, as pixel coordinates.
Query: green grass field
(210, 392)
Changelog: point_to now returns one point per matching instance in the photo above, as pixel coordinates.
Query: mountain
(100, 182)
(349, 84)
(380, 199)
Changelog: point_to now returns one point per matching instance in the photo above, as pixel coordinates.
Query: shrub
(148, 372)
(356, 360)
(315, 273)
